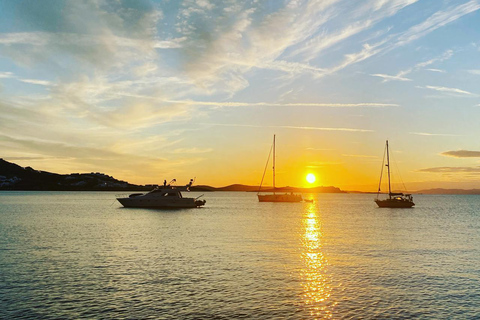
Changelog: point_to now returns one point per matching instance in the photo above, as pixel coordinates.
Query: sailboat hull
(280, 197)
(394, 203)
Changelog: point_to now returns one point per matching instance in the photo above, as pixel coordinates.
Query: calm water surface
(71, 255)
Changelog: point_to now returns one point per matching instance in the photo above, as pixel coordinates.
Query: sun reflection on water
(315, 281)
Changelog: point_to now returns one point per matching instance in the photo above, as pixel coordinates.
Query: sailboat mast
(388, 166)
(273, 164)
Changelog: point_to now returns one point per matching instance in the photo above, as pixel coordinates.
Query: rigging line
(265, 170)
(399, 175)
(381, 171)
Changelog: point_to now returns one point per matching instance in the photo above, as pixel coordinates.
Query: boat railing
(125, 195)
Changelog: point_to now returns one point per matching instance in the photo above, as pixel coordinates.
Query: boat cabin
(166, 192)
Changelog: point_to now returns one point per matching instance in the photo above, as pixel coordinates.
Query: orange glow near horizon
(295, 162)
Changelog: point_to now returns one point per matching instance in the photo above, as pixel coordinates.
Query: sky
(154, 90)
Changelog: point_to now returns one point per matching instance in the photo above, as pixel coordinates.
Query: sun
(311, 178)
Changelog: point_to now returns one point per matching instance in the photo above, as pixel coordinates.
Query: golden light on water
(311, 178)
(315, 281)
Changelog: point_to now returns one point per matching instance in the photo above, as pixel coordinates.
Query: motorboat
(166, 196)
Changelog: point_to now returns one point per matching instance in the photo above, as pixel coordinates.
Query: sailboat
(395, 199)
(276, 197)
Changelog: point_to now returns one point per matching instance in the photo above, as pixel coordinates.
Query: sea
(81, 255)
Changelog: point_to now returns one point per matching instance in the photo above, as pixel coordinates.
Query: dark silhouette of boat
(166, 196)
(395, 199)
(276, 197)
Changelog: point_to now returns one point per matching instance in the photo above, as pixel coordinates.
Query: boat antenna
(265, 170)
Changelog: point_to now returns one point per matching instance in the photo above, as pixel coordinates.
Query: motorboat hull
(279, 198)
(394, 203)
(140, 202)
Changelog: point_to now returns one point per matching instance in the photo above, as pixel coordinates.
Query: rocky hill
(15, 177)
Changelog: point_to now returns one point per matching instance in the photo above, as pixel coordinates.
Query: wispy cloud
(387, 77)
(268, 104)
(73, 37)
(34, 81)
(289, 127)
(437, 20)
(11, 75)
(320, 164)
(434, 22)
(434, 134)
(33, 158)
(362, 19)
(6, 75)
(469, 170)
(401, 75)
(319, 43)
(192, 150)
(436, 70)
(474, 71)
(358, 156)
(445, 56)
(56, 149)
(75, 158)
(448, 90)
(318, 149)
(462, 154)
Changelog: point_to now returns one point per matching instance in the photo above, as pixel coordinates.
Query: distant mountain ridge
(242, 187)
(449, 191)
(15, 177)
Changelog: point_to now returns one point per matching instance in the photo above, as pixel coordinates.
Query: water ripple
(64, 257)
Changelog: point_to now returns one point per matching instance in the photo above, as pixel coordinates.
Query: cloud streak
(448, 90)
(470, 170)
(387, 77)
(461, 154)
(268, 104)
(289, 127)
(400, 76)
(434, 134)
(391, 42)
(437, 20)
(358, 156)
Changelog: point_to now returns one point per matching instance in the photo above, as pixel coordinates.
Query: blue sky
(151, 90)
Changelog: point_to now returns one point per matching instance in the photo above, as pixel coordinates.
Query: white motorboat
(166, 196)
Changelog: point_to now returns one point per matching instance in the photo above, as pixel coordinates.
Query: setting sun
(311, 178)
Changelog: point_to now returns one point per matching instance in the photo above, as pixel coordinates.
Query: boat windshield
(171, 194)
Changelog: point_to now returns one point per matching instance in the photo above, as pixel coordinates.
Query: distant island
(449, 191)
(15, 177)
